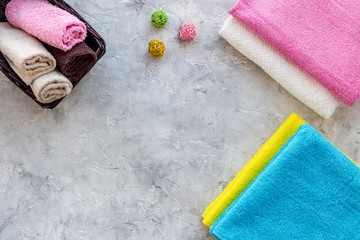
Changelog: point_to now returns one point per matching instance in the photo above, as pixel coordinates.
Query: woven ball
(159, 19)
(188, 32)
(156, 48)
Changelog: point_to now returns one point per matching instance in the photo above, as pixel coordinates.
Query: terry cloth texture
(289, 76)
(76, 62)
(47, 22)
(25, 54)
(51, 87)
(252, 169)
(321, 37)
(310, 190)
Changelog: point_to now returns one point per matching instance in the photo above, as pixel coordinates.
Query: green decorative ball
(159, 19)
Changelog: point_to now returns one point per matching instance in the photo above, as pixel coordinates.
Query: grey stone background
(143, 145)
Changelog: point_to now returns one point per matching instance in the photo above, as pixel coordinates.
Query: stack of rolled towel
(311, 48)
(297, 186)
(45, 46)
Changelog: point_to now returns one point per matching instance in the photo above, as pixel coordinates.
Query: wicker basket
(93, 40)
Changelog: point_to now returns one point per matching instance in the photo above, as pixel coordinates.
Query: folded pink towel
(319, 36)
(46, 22)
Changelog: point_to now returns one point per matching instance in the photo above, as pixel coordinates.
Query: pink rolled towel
(321, 37)
(46, 22)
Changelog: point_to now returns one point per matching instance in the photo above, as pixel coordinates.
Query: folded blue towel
(310, 190)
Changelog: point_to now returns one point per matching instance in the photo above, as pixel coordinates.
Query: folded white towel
(25, 54)
(51, 87)
(298, 83)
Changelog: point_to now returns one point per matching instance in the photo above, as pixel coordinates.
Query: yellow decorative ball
(156, 48)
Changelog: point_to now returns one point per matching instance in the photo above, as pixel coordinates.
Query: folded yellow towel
(252, 169)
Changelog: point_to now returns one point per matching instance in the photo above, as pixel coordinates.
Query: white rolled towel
(297, 82)
(33, 64)
(25, 54)
(51, 87)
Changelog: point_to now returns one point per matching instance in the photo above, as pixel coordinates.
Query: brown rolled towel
(76, 62)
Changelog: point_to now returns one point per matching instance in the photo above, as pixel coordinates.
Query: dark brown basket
(93, 40)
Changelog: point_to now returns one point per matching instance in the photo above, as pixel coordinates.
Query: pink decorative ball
(188, 32)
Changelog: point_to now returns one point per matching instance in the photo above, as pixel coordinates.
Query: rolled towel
(51, 87)
(26, 55)
(47, 22)
(76, 62)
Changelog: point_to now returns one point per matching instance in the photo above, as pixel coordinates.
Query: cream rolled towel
(51, 87)
(290, 77)
(25, 54)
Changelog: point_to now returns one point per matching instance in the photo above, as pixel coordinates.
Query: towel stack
(310, 48)
(297, 186)
(45, 46)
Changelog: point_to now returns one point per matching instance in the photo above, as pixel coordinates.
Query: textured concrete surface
(143, 145)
